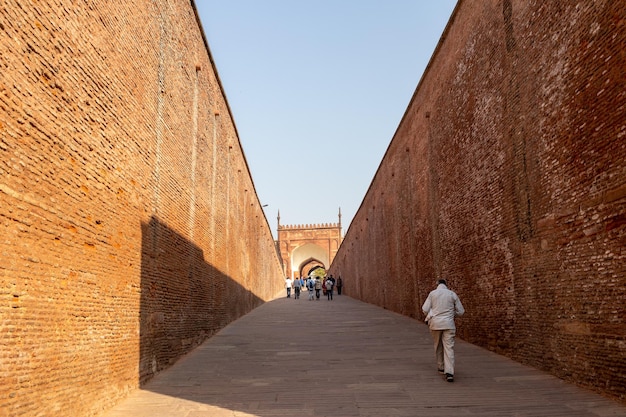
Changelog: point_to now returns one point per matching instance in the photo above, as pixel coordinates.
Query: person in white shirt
(288, 286)
(441, 307)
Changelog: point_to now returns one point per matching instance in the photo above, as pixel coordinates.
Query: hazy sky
(317, 90)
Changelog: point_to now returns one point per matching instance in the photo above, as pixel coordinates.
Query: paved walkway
(342, 358)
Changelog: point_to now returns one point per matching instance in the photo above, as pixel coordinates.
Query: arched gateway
(305, 247)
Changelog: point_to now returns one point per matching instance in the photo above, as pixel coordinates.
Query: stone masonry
(130, 229)
(507, 176)
(307, 246)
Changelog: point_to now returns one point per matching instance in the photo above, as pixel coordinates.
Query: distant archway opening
(311, 267)
(307, 256)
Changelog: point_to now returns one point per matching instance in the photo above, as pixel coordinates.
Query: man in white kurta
(441, 307)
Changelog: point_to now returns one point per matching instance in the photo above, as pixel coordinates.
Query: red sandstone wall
(507, 175)
(130, 229)
(293, 241)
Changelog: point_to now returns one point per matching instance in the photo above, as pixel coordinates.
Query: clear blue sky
(317, 90)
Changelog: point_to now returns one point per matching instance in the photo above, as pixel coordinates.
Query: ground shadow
(184, 299)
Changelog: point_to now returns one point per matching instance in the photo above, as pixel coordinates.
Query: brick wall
(507, 175)
(130, 229)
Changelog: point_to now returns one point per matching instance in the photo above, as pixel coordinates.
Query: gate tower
(304, 247)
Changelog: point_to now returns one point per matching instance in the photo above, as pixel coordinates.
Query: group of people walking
(315, 286)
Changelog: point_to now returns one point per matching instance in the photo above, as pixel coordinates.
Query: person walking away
(310, 286)
(318, 288)
(297, 285)
(339, 285)
(441, 307)
(288, 286)
(329, 289)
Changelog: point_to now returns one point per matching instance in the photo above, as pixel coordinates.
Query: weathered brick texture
(130, 229)
(507, 175)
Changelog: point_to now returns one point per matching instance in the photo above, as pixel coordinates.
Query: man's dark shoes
(441, 371)
(449, 377)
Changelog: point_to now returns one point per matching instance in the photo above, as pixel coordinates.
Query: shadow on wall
(184, 299)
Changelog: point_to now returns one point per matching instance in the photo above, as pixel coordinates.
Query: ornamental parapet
(309, 226)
